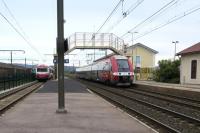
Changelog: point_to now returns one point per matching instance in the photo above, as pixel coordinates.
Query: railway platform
(86, 113)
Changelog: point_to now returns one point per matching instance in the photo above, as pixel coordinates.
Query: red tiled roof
(193, 49)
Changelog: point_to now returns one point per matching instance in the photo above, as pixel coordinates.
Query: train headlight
(115, 73)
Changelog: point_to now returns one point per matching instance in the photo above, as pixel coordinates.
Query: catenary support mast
(60, 52)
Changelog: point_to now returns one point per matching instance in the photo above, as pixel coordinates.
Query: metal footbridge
(86, 40)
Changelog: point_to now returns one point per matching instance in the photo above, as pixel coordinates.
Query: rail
(159, 112)
(8, 98)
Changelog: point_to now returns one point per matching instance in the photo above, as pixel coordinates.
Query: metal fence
(85, 39)
(145, 73)
(12, 76)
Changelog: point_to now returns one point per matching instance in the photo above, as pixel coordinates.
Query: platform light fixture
(132, 35)
(175, 42)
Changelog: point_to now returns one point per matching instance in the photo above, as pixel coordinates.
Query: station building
(190, 65)
(143, 59)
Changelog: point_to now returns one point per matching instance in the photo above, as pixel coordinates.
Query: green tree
(168, 71)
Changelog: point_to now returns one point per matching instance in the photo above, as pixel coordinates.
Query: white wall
(185, 75)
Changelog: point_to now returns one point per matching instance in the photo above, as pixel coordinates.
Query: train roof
(41, 66)
(112, 55)
(103, 58)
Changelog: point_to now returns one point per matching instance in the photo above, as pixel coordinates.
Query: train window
(123, 65)
(41, 69)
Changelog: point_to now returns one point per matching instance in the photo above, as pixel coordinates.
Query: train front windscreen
(123, 65)
(41, 69)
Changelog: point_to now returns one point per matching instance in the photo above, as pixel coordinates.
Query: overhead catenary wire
(173, 19)
(110, 15)
(125, 14)
(158, 15)
(134, 6)
(14, 18)
(172, 2)
(20, 34)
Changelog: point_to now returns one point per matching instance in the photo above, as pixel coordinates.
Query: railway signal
(66, 47)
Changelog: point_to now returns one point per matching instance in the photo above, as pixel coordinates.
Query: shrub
(168, 71)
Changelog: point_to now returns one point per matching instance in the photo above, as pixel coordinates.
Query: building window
(138, 61)
(193, 69)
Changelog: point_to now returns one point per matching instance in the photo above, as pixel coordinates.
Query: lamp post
(132, 35)
(132, 42)
(175, 42)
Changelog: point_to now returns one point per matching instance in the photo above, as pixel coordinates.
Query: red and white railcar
(113, 69)
(43, 72)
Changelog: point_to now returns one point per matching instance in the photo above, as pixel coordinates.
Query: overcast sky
(38, 20)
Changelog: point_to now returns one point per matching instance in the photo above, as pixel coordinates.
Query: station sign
(66, 60)
(55, 61)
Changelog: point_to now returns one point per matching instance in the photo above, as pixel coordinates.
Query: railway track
(164, 113)
(188, 101)
(184, 105)
(9, 98)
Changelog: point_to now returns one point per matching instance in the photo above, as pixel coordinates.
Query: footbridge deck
(86, 40)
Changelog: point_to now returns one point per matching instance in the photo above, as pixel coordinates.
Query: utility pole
(25, 62)
(132, 35)
(11, 57)
(60, 53)
(175, 42)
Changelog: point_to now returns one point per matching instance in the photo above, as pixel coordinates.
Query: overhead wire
(125, 14)
(110, 15)
(12, 15)
(134, 6)
(173, 19)
(172, 2)
(178, 2)
(19, 33)
(22, 34)
(107, 19)
(157, 16)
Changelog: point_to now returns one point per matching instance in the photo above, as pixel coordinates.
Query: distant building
(143, 58)
(190, 65)
(141, 55)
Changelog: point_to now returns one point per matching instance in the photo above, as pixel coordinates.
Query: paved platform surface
(189, 87)
(87, 113)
